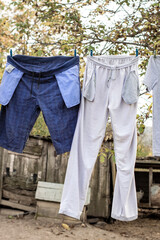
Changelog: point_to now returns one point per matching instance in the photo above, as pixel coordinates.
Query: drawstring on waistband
(112, 75)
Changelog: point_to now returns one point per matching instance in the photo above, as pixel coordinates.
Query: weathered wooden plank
(19, 182)
(28, 164)
(146, 205)
(20, 192)
(24, 155)
(53, 192)
(52, 165)
(19, 165)
(48, 209)
(51, 209)
(100, 188)
(42, 162)
(63, 167)
(1, 171)
(147, 164)
(150, 184)
(25, 170)
(49, 191)
(18, 206)
(50, 185)
(56, 165)
(26, 200)
(33, 147)
(5, 160)
(113, 170)
(33, 150)
(146, 170)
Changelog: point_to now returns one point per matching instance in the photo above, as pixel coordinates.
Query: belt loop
(32, 82)
(39, 79)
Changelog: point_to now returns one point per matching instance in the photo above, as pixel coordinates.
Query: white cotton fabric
(130, 91)
(152, 81)
(106, 75)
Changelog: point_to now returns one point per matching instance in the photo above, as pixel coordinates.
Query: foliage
(146, 112)
(143, 151)
(40, 127)
(105, 151)
(49, 27)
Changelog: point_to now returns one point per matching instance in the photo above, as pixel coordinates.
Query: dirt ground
(146, 227)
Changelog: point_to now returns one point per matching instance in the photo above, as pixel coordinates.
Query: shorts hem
(20, 150)
(63, 151)
(127, 219)
(13, 149)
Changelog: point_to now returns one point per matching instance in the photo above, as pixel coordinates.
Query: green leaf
(102, 158)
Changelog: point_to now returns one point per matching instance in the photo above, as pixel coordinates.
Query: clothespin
(75, 52)
(91, 52)
(11, 52)
(136, 52)
(155, 53)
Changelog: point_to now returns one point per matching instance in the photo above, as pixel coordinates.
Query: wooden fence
(20, 173)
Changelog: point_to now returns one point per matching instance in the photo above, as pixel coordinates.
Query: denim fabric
(34, 84)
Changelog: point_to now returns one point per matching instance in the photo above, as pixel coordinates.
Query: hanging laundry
(110, 87)
(33, 84)
(152, 81)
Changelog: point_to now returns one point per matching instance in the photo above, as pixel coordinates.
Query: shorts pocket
(130, 91)
(10, 80)
(69, 85)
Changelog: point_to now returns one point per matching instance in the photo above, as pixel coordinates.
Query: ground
(146, 227)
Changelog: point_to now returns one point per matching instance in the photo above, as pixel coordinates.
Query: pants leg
(18, 117)
(87, 140)
(88, 137)
(123, 118)
(61, 121)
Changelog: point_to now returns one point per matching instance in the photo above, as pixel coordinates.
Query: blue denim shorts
(33, 84)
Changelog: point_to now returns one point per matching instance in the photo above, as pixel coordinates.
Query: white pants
(105, 77)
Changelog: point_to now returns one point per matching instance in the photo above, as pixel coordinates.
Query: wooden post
(113, 170)
(150, 184)
(1, 172)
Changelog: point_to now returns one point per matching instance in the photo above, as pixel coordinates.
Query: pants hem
(127, 219)
(70, 214)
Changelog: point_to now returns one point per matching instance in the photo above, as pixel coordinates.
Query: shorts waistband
(97, 60)
(42, 65)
